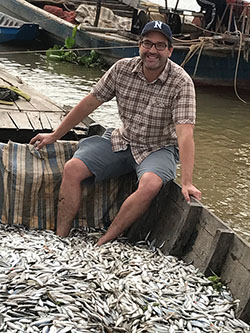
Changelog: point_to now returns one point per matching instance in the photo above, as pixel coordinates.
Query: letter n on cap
(158, 25)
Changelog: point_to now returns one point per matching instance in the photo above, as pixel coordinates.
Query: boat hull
(215, 67)
(110, 46)
(26, 33)
(12, 29)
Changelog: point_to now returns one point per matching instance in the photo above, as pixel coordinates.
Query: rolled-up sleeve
(184, 103)
(105, 89)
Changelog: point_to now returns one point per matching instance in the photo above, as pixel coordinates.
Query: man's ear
(171, 51)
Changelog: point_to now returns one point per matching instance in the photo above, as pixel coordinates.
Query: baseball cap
(158, 26)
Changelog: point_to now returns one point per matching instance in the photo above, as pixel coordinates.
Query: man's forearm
(76, 115)
(186, 150)
(187, 160)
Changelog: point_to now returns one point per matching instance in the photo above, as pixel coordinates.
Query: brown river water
(222, 134)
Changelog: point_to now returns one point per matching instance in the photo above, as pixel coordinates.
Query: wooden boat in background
(215, 58)
(221, 66)
(218, 60)
(14, 30)
(21, 119)
(108, 43)
(30, 181)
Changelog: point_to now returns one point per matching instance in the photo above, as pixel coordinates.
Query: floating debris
(54, 285)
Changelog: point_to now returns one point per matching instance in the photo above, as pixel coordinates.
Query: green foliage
(61, 54)
(91, 60)
(70, 41)
(216, 282)
(64, 53)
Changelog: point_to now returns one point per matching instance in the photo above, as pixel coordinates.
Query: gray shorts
(96, 152)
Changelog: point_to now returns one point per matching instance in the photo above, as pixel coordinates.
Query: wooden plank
(34, 118)
(55, 119)
(5, 121)
(82, 126)
(95, 129)
(237, 278)
(43, 105)
(245, 314)
(206, 231)
(80, 132)
(24, 105)
(21, 120)
(185, 230)
(44, 121)
(8, 79)
(241, 252)
(5, 107)
(218, 252)
(236, 274)
(38, 103)
(2, 83)
(200, 248)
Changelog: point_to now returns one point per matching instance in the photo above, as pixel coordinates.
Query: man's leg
(153, 172)
(94, 157)
(75, 171)
(134, 206)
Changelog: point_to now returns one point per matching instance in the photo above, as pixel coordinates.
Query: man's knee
(76, 170)
(150, 184)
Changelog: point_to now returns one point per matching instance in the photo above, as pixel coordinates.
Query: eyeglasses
(159, 46)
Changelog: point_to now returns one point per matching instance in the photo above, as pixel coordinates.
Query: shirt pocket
(158, 112)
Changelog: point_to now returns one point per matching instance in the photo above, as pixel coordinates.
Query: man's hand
(188, 190)
(41, 140)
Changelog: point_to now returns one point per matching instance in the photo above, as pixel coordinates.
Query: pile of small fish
(49, 284)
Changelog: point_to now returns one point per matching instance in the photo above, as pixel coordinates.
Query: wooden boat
(14, 30)
(215, 66)
(29, 186)
(110, 45)
(218, 60)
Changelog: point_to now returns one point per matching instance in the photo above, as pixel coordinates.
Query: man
(156, 103)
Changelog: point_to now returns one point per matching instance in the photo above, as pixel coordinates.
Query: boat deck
(21, 120)
(7, 21)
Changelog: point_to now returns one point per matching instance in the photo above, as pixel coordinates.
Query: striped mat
(29, 188)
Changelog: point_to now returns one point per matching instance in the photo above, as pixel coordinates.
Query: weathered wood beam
(98, 11)
(245, 314)
(185, 232)
(218, 251)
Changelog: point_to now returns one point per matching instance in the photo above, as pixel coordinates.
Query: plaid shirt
(149, 111)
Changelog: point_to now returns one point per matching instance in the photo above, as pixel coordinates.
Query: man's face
(152, 58)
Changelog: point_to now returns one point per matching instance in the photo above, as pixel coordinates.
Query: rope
(192, 50)
(195, 47)
(75, 49)
(236, 69)
(198, 58)
(183, 41)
